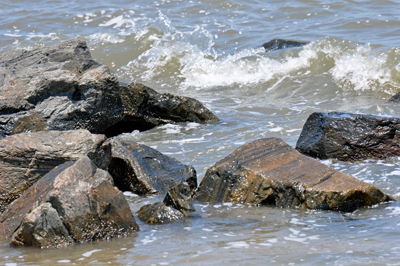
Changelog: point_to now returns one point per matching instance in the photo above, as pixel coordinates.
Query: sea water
(212, 51)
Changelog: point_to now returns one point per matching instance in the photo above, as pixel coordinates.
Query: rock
(179, 197)
(349, 137)
(73, 203)
(26, 157)
(395, 98)
(277, 44)
(268, 171)
(57, 87)
(143, 170)
(158, 213)
(145, 108)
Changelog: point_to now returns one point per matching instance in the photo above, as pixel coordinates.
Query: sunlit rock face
(270, 172)
(73, 203)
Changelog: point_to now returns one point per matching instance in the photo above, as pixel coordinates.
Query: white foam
(89, 253)
(130, 194)
(296, 221)
(238, 244)
(106, 38)
(64, 261)
(276, 129)
(118, 22)
(395, 210)
(394, 173)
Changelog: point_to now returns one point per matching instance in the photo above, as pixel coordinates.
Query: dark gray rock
(145, 108)
(26, 157)
(143, 170)
(158, 213)
(395, 98)
(270, 172)
(277, 44)
(180, 198)
(73, 203)
(58, 87)
(349, 137)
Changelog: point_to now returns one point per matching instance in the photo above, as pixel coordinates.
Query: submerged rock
(143, 170)
(270, 172)
(277, 44)
(158, 213)
(349, 137)
(57, 87)
(145, 108)
(73, 203)
(26, 157)
(395, 98)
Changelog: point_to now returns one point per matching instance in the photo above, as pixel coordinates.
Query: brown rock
(75, 202)
(268, 171)
(26, 157)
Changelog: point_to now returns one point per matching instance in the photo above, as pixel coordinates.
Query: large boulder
(270, 172)
(143, 170)
(26, 157)
(57, 87)
(349, 137)
(73, 203)
(277, 44)
(145, 108)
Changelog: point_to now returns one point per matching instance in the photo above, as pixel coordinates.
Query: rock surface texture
(58, 87)
(145, 108)
(270, 172)
(73, 203)
(176, 205)
(278, 44)
(349, 137)
(143, 170)
(158, 213)
(26, 157)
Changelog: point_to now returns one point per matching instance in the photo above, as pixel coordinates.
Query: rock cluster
(60, 87)
(64, 159)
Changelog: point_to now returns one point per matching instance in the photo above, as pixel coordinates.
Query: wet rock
(57, 87)
(143, 170)
(145, 108)
(26, 157)
(277, 44)
(395, 98)
(73, 203)
(270, 172)
(349, 137)
(158, 213)
(179, 197)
